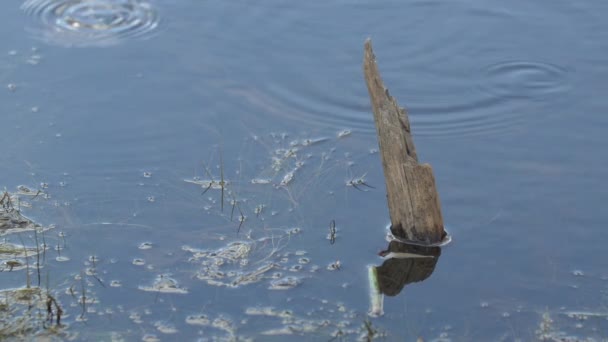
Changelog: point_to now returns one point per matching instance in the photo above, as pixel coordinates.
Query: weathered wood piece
(413, 201)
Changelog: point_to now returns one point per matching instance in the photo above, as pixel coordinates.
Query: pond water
(129, 116)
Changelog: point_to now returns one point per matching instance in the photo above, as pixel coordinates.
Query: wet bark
(413, 200)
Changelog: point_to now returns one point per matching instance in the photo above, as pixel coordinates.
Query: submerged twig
(27, 263)
(84, 295)
(222, 183)
(356, 182)
(37, 254)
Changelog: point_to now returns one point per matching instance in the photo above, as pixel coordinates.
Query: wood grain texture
(413, 200)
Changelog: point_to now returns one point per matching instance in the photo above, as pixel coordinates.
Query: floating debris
(211, 184)
(164, 284)
(145, 245)
(294, 231)
(11, 219)
(150, 338)
(199, 319)
(220, 323)
(344, 133)
(259, 209)
(138, 262)
(284, 283)
(578, 273)
(334, 266)
(288, 178)
(332, 232)
(357, 183)
(147, 174)
(261, 181)
(16, 251)
(295, 268)
(268, 311)
(166, 328)
(309, 142)
(224, 266)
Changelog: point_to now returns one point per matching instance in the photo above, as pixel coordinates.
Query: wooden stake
(413, 201)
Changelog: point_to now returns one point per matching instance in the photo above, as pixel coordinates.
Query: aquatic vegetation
(260, 241)
(11, 219)
(29, 312)
(226, 266)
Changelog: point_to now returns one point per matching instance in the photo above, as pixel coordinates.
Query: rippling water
(91, 22)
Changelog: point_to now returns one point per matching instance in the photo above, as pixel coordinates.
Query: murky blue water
(114, 106)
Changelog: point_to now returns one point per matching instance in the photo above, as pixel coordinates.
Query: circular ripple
(91, 22)
(524, 79)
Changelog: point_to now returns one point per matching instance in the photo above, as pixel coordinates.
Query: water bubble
(11, 86)
(147, 174)
(91, 22)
